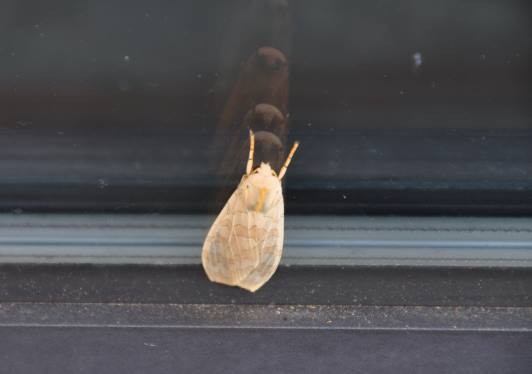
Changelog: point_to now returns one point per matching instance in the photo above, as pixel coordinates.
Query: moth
(244, 245)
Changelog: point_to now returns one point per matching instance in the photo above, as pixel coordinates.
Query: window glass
(400, 106)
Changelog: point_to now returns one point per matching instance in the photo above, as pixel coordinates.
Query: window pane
(401, 107)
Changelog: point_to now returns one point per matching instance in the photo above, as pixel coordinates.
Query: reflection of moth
(244, 245)
(252, 24)
(262, 79)
(270, 128)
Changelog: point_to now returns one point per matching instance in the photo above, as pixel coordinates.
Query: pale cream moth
(244, 244)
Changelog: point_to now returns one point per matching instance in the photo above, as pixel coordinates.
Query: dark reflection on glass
(264, 80)
(258, 98)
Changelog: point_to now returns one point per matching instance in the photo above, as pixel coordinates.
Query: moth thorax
(261, 189)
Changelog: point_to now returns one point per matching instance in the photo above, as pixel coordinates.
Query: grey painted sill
(309, 240)
(309, 317)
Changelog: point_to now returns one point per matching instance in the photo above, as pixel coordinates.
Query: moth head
(261, 189)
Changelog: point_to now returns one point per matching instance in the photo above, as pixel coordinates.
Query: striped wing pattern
(243, 248)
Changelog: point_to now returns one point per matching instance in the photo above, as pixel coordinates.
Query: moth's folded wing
(269, 245)
(218, 256)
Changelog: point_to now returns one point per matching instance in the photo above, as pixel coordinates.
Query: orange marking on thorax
(262, 197)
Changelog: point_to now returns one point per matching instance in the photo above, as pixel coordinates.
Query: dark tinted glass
(400, 106)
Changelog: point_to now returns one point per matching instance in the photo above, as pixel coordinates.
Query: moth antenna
(282, 172)
(251, 151)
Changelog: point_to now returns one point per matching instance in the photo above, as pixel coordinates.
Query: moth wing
(268, 234)
(243, 248)
(217, 256)
(230, 250)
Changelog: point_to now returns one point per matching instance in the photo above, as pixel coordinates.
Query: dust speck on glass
(401, 107)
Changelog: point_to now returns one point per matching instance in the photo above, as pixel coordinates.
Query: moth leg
(282, 172)
(251, 152)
